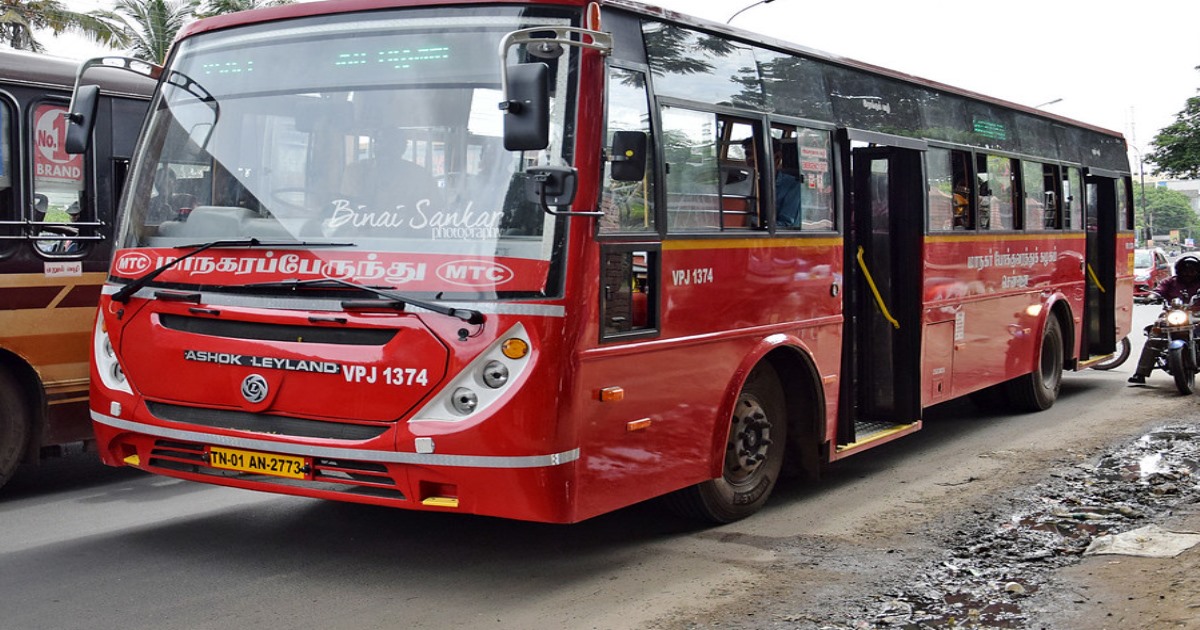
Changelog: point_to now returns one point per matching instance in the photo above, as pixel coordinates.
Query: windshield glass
(381, 130)
(1142, 259)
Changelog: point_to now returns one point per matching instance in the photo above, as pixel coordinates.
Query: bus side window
(949, 190)
(629, 290)
(628, 206)
(1072, 199)
(996, 192)
(59, 179)
(1037, 214)
(743, 149)
(8, 209)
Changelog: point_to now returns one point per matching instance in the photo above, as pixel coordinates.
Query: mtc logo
(133, 264)
(474, 273)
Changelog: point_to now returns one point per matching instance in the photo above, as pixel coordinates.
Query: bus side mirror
(628, 156)
(527, 107)
(82, 118)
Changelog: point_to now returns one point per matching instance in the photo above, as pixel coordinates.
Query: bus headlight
(105, 356)
(482, 382)
(464, 400)
(495, 374)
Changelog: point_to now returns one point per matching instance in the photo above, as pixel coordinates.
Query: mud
(996, 567)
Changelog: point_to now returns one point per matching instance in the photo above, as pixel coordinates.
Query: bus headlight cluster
(483, 381)
(105, 357)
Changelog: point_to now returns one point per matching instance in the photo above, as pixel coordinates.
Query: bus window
(629, 286)
(803, 179)
(996, 193)
(58, 184)
(742, 151)
(1072, 202)
(1124, 205)
(712, 179)
(8, 208)
(1038, 216)
(628, 206)
(949, 191)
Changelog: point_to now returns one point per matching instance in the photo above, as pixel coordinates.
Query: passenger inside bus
(787, 183)
(389, 181)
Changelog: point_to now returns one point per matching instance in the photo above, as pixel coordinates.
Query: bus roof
(306, 9)
(21, 67)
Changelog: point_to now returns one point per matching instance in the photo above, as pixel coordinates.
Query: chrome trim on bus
(335, 304)
(388, 457)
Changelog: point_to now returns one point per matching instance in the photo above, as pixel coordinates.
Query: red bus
(543, 260)
(56, 222)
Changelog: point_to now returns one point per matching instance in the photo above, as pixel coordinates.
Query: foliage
(1177, 147)
(1169, 209)
(210, 8)
(19, 19)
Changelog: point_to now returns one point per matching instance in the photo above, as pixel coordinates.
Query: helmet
(1189, 263)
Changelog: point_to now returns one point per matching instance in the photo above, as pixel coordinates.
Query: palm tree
(19, 19)
(221, 7)
(150, 26)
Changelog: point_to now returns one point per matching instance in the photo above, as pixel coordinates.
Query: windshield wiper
(124, 293)
(392, 300)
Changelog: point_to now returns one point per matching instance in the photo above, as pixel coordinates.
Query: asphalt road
(85, 546)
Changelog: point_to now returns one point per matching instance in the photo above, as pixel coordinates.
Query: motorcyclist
(1184, 284)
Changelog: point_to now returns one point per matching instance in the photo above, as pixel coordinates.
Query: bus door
(882, 344)
(1100, 223)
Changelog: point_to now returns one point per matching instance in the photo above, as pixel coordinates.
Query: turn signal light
(514, 348)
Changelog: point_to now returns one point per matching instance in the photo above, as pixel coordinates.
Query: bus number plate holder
(254, 462)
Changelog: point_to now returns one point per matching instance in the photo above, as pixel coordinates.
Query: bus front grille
(342, 476)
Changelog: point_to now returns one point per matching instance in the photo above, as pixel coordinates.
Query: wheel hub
(749, 440)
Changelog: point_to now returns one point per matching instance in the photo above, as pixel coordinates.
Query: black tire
(1122, 354)
(1038, 390)
(14, 426)
(1181, 370)
(754, 454)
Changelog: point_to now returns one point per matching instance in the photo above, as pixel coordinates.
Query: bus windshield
(383, 131)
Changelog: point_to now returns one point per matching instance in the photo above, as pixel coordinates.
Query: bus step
(868, 431)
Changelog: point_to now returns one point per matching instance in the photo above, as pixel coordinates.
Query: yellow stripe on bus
(750, 243)
(992, 237)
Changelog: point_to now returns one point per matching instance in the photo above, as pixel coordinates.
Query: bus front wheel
(754, 451)
(14, 426)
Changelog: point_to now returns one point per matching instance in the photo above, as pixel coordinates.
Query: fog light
(464, 400)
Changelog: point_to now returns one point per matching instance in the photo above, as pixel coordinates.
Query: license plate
(259, 463)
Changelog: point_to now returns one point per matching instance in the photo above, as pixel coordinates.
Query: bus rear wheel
(14, 426)
(754, 451)
(1038, 390)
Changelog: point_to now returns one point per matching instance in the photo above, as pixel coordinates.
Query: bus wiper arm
(124, 293)
(391, 298)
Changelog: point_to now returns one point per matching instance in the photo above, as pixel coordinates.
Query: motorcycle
(1174, 333)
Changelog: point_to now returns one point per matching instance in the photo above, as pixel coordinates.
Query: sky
(1125, 66)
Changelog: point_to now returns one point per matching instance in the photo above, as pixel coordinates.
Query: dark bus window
(1072, 201)
(1041, 202)
(803, 178)
(9, 214)
(996, 193)
(949, 190)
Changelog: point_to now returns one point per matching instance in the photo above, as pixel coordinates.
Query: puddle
(993, 564)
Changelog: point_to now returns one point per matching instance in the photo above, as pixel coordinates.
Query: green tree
(19, 19)
(150, 26)
(221, 7)
(1169, 210)
(1177, 147)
